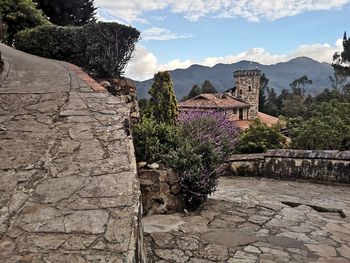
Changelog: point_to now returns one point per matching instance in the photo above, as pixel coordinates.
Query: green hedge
(103, 49)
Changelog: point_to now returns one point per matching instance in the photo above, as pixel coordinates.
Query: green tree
(299, 85)
(341, 61)
(271, 105)
(294, 106)
(163, 105)
(259, 138)
(327, 129)
(264, 82)
(195, 91)
(207, 87)
(68, 13)
(18, 15)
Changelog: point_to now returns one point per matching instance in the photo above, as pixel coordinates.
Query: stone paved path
(68, 187)
(246, 222)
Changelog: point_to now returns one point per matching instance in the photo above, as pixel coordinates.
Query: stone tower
(248, 88)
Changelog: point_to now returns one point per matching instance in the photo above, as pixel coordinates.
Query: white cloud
(161, 34)
(252, 10)
(144, 64)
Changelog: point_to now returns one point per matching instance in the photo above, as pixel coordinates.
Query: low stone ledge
(316, 166)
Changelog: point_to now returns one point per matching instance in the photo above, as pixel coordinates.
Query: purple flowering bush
(207, 139)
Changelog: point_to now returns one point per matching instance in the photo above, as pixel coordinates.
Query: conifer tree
(68, 12)
(207, 87)
(18, 15)
(163, 104)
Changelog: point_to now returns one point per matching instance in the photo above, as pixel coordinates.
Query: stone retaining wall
(322, 166)
(160, 191)
(69, 190)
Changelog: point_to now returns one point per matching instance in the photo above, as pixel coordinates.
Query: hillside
(221, 75)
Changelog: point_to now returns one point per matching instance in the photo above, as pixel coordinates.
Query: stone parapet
(318, 166)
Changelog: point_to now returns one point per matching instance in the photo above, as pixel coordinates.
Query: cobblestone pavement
(246, 222)
(68, 187)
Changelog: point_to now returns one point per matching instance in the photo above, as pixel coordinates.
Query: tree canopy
(18, 15)
(68, 13)
(207, 87)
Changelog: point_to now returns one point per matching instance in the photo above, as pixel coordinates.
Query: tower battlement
(243, 73)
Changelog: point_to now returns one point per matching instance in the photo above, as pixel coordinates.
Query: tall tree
(264, 82)
(207, 87)
(195, 91)
(18, 15)
(68, 13)
(163, 105)
(299, 85)
(341, 62)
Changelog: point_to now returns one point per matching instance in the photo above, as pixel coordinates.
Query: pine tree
(195, 91)
(163, 105)
(207, 87)
(18, 15)
(68, 12)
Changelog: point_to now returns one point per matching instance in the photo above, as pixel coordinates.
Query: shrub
(103, 49)
(56, 42)
(209, 137)
(259, 138)
(153, 140)
(109, 46)
(194, 148)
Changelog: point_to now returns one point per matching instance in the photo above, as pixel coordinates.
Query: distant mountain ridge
(221, 76)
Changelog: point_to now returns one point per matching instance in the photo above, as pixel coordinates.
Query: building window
(250, 88)
(240, 92)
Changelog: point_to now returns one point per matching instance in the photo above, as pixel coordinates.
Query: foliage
(68, 13)
(299, 85)
(264, 82)
(110, 47)
(103, 48)
(194, 148)
(259, 138)
(341, 65)
(207, 87)
(153, 139)
(62, 43)
(18, 15)
(195, 91)
(208, 138)
(162, 104)
(327, 129)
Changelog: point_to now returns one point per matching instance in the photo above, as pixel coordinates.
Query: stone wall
(320, 166)
(160, 190)
(69, 190)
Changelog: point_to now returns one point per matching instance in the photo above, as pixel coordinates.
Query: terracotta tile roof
(265, 118)
(216, 100)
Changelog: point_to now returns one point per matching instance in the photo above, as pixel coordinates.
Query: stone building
(240, 103)
(248, 89)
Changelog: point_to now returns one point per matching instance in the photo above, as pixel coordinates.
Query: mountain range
(221, 76)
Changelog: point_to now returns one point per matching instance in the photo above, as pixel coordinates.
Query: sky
(180, 33)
